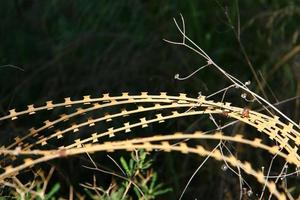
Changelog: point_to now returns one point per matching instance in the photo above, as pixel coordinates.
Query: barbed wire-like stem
(197, 170)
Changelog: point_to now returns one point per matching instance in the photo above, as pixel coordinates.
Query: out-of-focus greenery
(74, 48)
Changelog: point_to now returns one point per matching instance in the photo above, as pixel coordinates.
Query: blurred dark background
(74, 48)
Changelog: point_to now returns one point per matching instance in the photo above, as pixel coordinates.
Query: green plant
(137, 176)
(262, 134)
(36, 189)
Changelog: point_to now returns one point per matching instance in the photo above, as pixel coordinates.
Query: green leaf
(125, 166)
(53, 190)
(153, 181)
(163, 191)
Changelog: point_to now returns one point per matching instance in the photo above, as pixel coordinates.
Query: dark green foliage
(74, 48)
